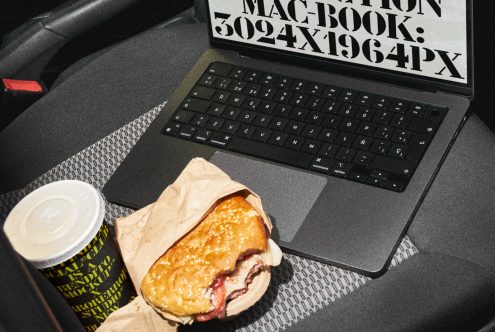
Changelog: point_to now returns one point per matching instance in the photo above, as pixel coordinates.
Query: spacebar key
(270, 152)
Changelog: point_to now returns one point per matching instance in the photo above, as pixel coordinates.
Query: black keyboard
(357, 135)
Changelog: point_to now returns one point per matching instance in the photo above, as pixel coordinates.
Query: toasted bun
(177, 283)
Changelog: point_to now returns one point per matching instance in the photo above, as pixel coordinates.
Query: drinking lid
(55, 222)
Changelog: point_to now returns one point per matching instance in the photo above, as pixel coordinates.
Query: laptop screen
(426, 39)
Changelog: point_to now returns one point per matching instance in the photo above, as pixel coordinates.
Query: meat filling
(235, 284)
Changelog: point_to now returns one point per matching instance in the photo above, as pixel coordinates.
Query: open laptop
(339, 114)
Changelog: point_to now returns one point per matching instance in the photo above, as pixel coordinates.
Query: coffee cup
(60, 229)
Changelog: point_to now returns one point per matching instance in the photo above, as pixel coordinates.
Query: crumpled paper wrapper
(147, 234)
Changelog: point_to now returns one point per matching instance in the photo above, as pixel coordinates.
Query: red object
(20, 85)
(217, 299)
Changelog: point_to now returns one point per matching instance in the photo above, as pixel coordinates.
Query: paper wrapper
(147, 234)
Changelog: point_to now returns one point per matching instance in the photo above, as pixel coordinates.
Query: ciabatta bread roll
(219, 269)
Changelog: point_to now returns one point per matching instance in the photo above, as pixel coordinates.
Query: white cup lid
(55, 222)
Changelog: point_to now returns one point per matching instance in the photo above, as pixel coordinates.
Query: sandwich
(217, 270)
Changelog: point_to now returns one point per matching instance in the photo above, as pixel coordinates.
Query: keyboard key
(383, 117)
(238, 87)
(332, 106)
(246, 131)
(207, 80)
(299, 86)
(230, 127)
(366, 129)
(341, 169)
(328, 150)
(254, 90)
(345, 154)
(283, 96)
(366, 113)
(399, 106)
(328, 135)
(220, 140)
(349, 125)
(187, 131)
(183, 116)
(268, 93)
(238, 73)
(299, 100)
(252, 103)
(294, 142)
(299, 114)
(220, 69)
(400, 121)
(282, 111)
(383, 133)
(202, 92)
(416, 152)
(380, 174)
(215, 124)
(322, 165)
(423, 126)
(268, 79)
(398, 151)
(363, 158)
(348, 110)
(381, 147)
(283, 83)
(199, 120)
(271, 152)
(381, 102)
(278, 139)
(435, 113)
(252, 76)
(202, 135)
(247, 116)
(236, 100)
(196, 105)
(267, 107)
(172, 128)
(347, 96)
(216, 109)
(331, 92)
(401, 136)
(345, 139)
(376, 181)
(363, 143)
(394, 185)
(364, 99)
(231, 113)
(311, 131)
(315, 89)
(221, 96)
(316, 103)
(222, 83)
(392, 165)
(416, 109)
(356, 176)
(262, 120)
(310, 146)
(278, 124)
(261, 135)
(332, 121)
(294, 128)
(315, 118)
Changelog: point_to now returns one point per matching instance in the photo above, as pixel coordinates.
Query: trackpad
(287, 195)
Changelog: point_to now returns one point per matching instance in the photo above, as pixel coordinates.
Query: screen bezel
(356, 70)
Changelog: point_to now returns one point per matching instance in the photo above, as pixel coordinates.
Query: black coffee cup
(59, 228)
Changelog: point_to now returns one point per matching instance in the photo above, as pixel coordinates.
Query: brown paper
(147, 234)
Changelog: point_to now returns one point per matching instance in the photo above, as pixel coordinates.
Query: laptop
(338, 114)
